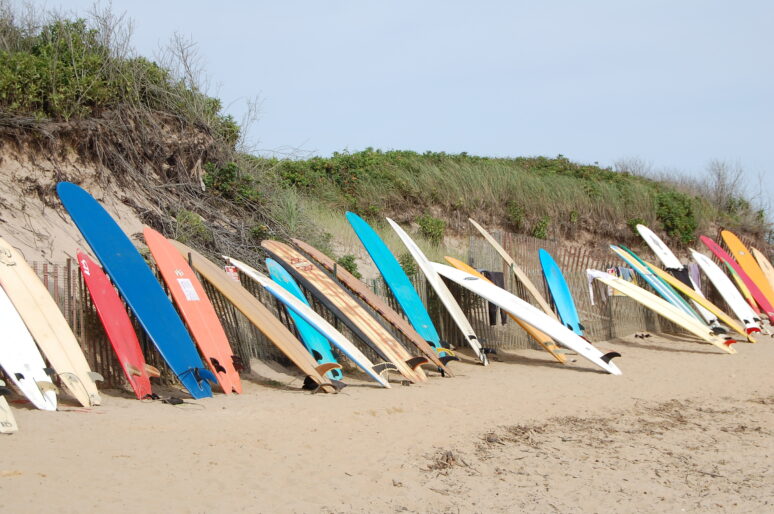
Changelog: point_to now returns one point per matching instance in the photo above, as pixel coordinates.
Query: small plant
(515, 213)
(675, 212)
(574, 217)
(632, 224)
(191, 228)
(408, 264)
(432, 228)
(259, 232)
(348, 263)
(540, 229)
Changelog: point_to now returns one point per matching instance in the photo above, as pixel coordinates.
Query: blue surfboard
(396, 279)
(139, 288)
(560, 293)
(315, 342)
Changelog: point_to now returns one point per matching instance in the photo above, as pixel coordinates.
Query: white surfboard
(729, 292)
(664, 308)
(671, 262)
(7, 420)
(47, 325)
(21, 359)
(443, 292)
(314, 319)
(530, 315)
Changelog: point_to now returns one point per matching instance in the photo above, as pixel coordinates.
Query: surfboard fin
(729, 341)
(716, 329)
(606, 358)
(202, 374)
(44, 386)
(152, 371)
(415, 362)
(239, 365)
(753, 329)
(96, 376)
(338, 385)
(133, 370)
(448, 358)
(446, 345)
(4, 390)
(50, 372)
(324, 368)
(384, 366)
(19, 376)
(217, 365)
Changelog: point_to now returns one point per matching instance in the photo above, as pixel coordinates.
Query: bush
(675, 212)
(515, 214)
(632, 224)
(348, 263)
(191, 228)
(408, 264)
(432, 229)
(540, 229)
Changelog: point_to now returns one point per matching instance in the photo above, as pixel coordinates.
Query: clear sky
(674, 83)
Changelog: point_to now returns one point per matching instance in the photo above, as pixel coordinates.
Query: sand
(685, 429)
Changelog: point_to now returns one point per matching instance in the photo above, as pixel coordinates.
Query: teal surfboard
(397, 280)
(315, 342)
(138, 287)
(560, 293)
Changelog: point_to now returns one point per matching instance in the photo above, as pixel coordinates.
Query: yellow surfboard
(544, 340)
(693, 295)
(748, 264)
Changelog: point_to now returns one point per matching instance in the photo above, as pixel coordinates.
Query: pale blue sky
(675, 83)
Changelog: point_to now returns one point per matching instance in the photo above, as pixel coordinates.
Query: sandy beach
(686, 428)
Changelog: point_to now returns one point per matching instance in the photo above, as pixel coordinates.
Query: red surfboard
(754, 290)
(196, 310)
(118, 327)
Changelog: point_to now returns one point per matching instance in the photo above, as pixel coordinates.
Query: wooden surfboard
(542, 338)
(665, 309)
(766, 266)
(700, 300)
(375, 302)
(196, 309)
(258, 314)
(748, 263)
(118, 327)
(347, 309)
(47, 325)
(516, 270)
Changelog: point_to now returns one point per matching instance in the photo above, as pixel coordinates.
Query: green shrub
(515, 213)
(348, 263)
(675, 212)
(632, 224)
(540, 229)
(229, 182)
(408, 264)
(191, 228)
(432, 229)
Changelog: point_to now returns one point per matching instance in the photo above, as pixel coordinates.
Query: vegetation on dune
(77, 81)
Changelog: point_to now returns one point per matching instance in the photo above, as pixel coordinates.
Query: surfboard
(729, 292)
(691, 293)
(560, 292)
(138, 287)
(47, 325)
(347, 309)
(396, 279)
(314, 340)
(675, 267)
(766, 266)
(543, 339)
(747, 261)
(259, 315)
(118, 327)
(530, 315)
(304, 313)
(519, 273)
(743, 289)
(196, 310)
(7, 420)
(662, 288)
(757, 294)
(21, 359)
(362, 291)
(443, 293)
(665, 309)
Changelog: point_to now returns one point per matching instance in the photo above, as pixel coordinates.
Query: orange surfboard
(748, 263)
(196, 310)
